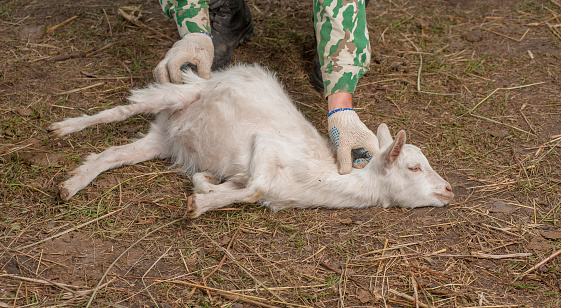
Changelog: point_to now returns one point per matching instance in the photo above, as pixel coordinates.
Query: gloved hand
(195, 48)
(347, 132)
(360, 158)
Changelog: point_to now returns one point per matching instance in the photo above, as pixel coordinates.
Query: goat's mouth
(446, 197)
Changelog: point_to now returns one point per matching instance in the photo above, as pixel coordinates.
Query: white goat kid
(241, 138)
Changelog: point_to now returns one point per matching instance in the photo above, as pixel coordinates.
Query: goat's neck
(360, 184)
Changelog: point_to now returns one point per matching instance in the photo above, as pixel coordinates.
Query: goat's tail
(153, 99)
(189, 76)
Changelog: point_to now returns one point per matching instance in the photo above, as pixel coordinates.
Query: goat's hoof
(63, 128)
(55, 130)
(63, 191)
(51, 129)
(192, 208)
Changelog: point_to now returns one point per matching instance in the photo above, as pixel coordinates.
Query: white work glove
(195, 48)
(351, 138)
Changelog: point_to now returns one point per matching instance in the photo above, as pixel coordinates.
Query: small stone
(551, 235)
(44, 159)
(543, 269)
(501, 133)
(31, 33)
(364, 296)
(497, 206)
(538, 244)
(225, 240)
(24, 112)
(346, 221)
(473, 36)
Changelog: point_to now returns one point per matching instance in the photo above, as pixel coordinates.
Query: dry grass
(474, 83)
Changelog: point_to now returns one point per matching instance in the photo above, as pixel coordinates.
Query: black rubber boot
(315, 76)
(231, 25)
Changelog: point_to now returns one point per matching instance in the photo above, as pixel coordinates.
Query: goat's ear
(393, 151)
(384, 136)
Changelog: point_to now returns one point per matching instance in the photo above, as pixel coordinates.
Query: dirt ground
(475, 84)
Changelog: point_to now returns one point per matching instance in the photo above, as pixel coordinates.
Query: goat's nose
(449, 191)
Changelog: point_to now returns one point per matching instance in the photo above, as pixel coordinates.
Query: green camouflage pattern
(341, 33)
(191, 16)
(343, 44)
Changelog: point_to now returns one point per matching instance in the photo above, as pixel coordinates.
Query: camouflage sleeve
(191, 16)
(342, 43)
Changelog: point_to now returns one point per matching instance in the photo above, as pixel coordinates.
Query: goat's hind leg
(151, 146)
(243, 187)
(153, 99)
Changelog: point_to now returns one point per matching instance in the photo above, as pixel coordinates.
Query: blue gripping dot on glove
(356, 161)
(334, 136)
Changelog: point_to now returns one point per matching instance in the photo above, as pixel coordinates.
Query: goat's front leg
(206, 182)
(149, 147)
(222, 196)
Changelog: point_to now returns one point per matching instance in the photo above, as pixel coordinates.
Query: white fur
(243, 140)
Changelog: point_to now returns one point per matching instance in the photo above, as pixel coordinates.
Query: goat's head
(407, 178)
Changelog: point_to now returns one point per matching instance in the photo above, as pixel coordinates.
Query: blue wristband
(200, 32)
(336, 110)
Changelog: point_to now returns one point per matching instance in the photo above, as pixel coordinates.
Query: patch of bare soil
(476, 84)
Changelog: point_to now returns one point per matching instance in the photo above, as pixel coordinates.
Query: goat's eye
(415, 169)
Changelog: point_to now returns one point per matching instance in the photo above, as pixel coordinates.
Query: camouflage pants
(343, 44)
(341, 34)
(191, 16)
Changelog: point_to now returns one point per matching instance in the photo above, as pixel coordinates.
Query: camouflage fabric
(191, 16)
(343, 44)
(341, 33)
